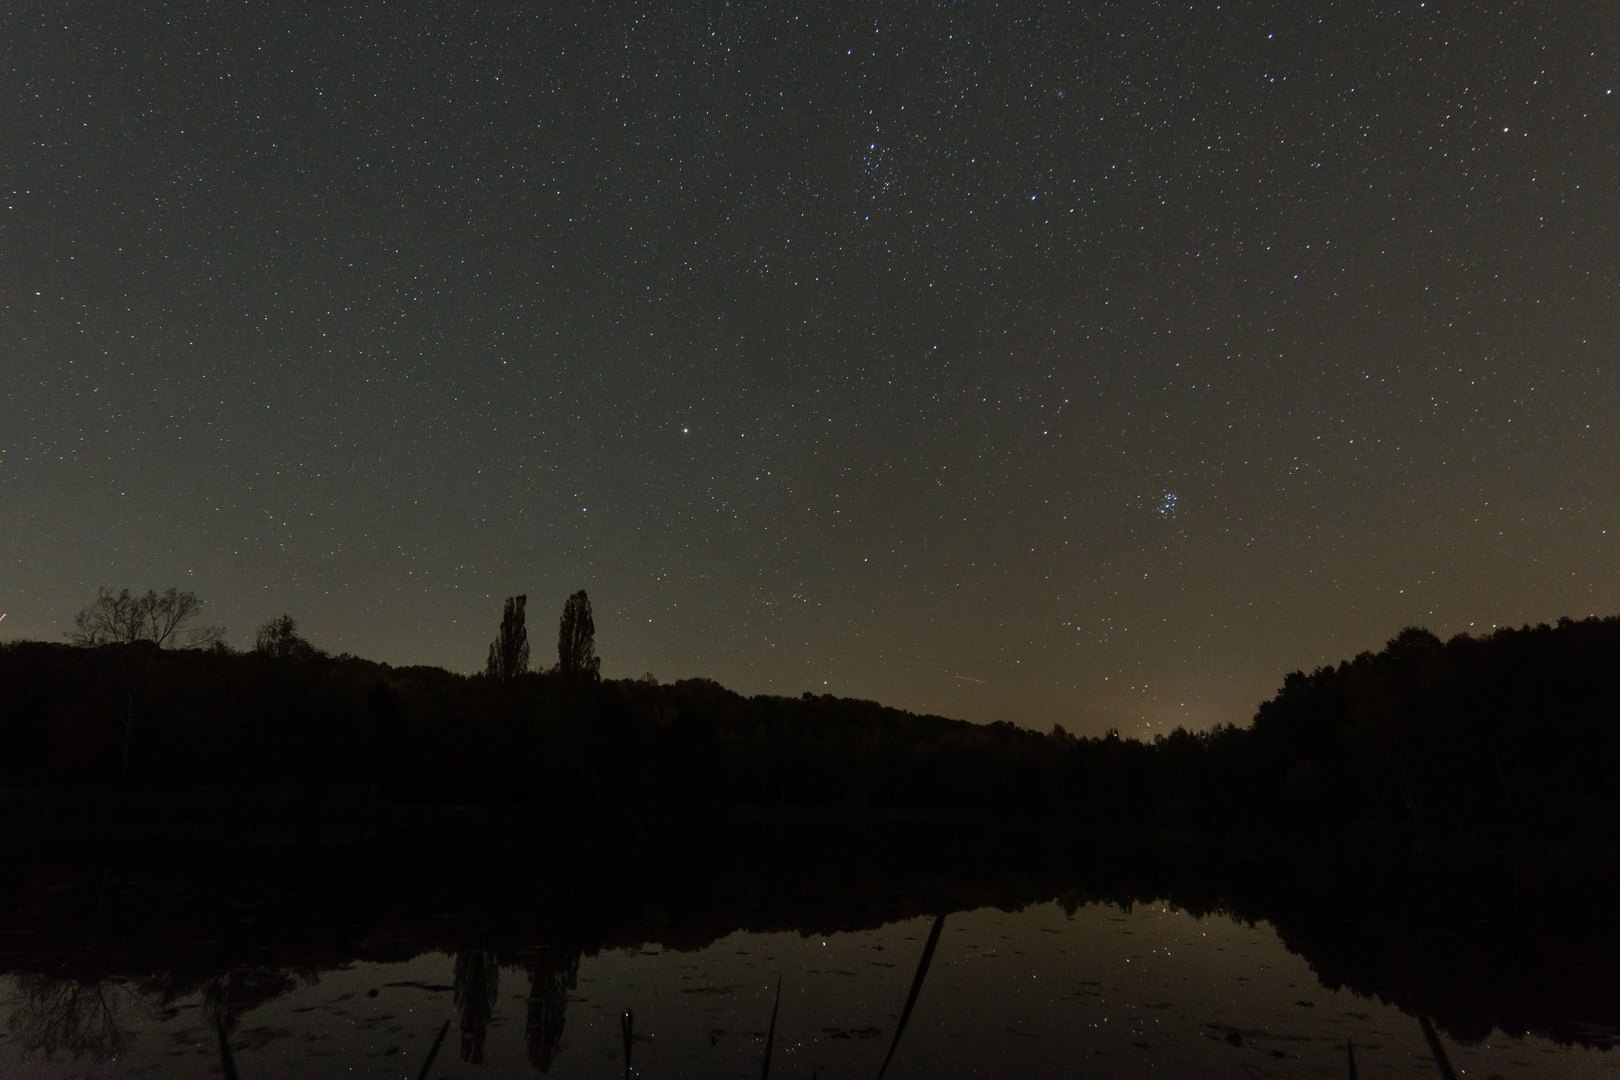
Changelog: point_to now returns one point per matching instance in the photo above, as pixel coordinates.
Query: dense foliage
(1514, 732)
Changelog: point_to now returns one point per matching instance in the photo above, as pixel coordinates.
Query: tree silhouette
(576, 640)
(550, 980)
(124, 619)
(235, 991)
(509, 652)
(477, 990)
(150, 620)
(57, 1015)
(279, 637)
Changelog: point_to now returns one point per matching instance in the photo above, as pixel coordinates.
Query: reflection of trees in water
(551, 977)
(65, 1015)
(226, 995)
(84, 1018)
(229, 994)
(478, 988)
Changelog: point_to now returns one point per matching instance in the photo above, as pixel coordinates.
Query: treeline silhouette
(1512, 733)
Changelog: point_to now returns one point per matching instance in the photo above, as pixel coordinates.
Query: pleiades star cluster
(1090, 363)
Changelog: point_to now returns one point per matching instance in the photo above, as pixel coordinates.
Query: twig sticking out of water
(770, 1036)
(433, 1053)
(1441, 1062)
(1350, 1052)
(226, 1061)
(627, 1027)
(916, 989)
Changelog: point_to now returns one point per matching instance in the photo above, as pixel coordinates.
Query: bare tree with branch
(161, 619)
(65, 1016)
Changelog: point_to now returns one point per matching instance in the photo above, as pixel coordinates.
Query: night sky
(1093, 363)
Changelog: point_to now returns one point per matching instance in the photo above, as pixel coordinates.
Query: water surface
(350, 963)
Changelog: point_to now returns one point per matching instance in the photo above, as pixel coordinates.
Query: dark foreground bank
(1475, 740)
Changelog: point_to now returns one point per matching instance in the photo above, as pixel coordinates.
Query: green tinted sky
(1093, 363)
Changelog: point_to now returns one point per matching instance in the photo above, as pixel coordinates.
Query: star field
(1091, 363)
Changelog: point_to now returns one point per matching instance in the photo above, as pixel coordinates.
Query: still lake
(1018, 958)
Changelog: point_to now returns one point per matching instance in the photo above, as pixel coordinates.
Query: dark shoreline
(361, 814)
(1512, 737)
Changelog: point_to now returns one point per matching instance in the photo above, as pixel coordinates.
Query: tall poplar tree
(509, 652)
(576, 640)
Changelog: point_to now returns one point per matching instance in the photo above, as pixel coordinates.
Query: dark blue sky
(1091, 363)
